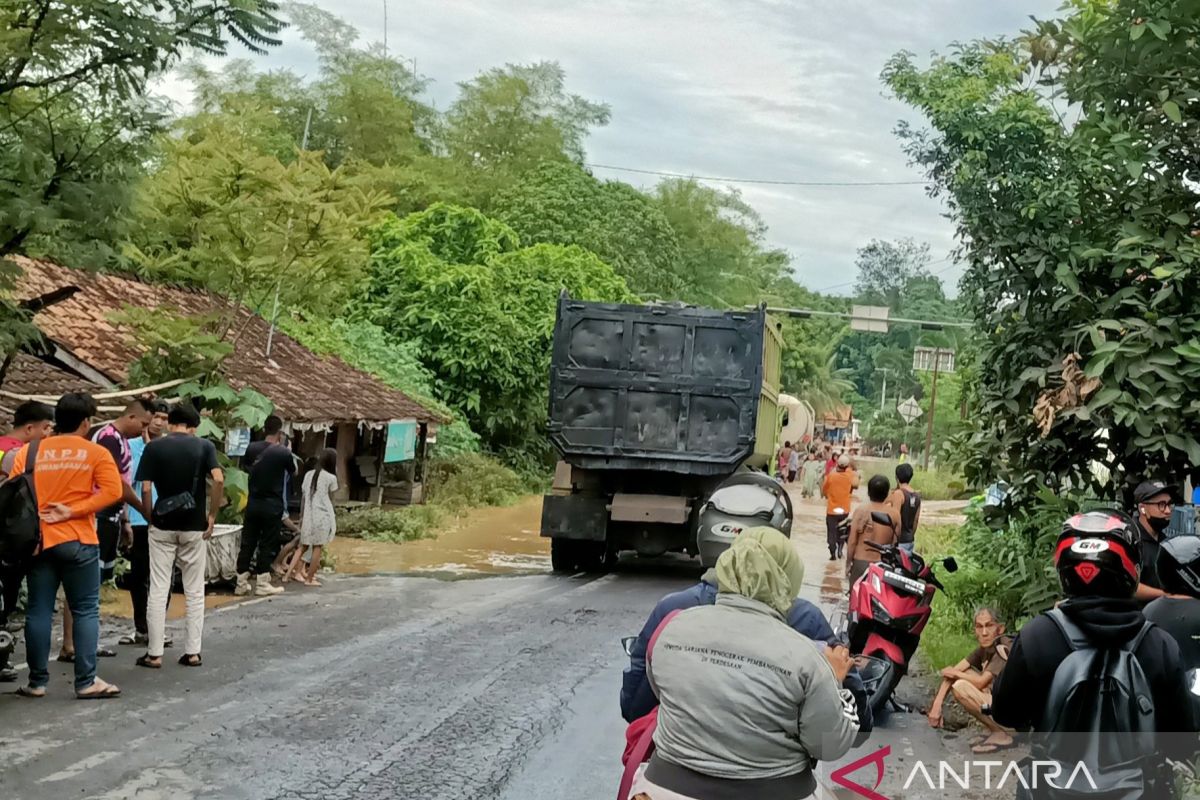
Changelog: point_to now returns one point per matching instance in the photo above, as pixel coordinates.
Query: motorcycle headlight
(1193, 680)
(875, 584)
(880, 613)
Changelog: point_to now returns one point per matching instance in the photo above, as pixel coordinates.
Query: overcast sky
(764, 89)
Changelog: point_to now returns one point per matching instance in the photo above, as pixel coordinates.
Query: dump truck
(651, 407)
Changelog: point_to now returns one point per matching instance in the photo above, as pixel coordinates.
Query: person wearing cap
(1154, 501)
(837, 491)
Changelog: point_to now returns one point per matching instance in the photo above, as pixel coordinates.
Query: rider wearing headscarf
(747, 705)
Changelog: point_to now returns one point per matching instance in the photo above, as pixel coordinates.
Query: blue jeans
(77, 567)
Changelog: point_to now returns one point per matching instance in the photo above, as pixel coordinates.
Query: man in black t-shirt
(270, 465)
(1154, 502)
(175, 467)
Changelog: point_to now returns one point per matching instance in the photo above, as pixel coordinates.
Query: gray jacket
(743, 696)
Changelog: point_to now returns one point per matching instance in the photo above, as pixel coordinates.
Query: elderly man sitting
(970, 681)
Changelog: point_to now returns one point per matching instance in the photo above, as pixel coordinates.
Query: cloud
(767, 89)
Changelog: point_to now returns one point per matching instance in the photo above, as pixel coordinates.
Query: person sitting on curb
(970, 681)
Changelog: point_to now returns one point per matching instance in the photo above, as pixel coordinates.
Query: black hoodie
(1020, 694)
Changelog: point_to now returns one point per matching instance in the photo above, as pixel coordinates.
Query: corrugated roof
(304, 387)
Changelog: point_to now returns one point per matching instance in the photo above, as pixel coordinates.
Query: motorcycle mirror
(950, 564)
(627, 644)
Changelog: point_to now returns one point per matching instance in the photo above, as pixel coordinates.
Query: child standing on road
(318, 521)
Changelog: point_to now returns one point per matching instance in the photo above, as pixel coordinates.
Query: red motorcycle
(889, 607)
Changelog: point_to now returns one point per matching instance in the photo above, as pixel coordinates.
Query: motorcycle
(889, 607)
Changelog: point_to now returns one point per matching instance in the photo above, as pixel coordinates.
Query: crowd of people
(736, 687)
(144, 486)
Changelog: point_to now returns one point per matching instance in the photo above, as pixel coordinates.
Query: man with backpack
(32, 421)
(1098, 683)
(907, 501)
(68, 480)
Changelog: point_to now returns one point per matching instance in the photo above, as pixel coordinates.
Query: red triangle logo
(1087, 572)
(839, 775)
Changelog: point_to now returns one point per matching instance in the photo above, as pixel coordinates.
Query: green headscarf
(763, 565)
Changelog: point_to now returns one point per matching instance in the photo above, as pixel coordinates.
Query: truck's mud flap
(575, 517)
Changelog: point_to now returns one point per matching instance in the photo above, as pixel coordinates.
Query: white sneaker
(263, 587)
(243, 585)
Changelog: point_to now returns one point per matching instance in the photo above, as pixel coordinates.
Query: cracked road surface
(497, 688)
(368, 687)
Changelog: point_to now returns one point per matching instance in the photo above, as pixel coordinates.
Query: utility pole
(883, 394)
(385, 28)
(286, 239)
(937, 359)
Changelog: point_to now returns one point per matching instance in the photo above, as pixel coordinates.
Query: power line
(754, 180)
(941, 271)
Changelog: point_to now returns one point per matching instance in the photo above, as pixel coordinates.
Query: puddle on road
(116, 603)
(486, 541)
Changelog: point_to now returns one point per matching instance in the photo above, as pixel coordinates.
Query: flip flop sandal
(105, 652)
(34, 692)
(986, 748)
(191, 660)
(66, 658)
(107, 692)
(134, 638)
(147, 661)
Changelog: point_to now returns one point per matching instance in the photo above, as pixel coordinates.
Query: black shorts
(109, 533)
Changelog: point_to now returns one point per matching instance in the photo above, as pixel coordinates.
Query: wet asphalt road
(368, 687)
(498, 688)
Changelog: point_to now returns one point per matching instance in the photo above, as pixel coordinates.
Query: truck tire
(564, 555)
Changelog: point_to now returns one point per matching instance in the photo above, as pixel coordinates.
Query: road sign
(872, 319)
(933, 359)
(909, 410)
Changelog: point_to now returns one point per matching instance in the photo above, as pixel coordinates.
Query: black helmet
(1098, 555)
(1179, 565)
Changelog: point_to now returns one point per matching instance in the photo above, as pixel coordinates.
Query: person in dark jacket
(1099, 562)
(637, 698)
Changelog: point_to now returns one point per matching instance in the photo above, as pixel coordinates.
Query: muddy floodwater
(485, 541)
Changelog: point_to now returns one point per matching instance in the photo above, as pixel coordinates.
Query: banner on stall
(401, 441)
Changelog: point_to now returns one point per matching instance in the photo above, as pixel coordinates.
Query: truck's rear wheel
(596, 557)
(564, 555)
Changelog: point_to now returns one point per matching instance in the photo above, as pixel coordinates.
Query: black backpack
(20, 525)
(1097, 691)
(908, 516)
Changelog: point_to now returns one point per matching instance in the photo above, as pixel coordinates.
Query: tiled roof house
(329, 402)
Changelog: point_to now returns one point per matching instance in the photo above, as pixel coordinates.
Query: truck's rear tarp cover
(655, 387)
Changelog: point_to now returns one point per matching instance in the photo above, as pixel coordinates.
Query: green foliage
(453, 485)
(395, 525)
(482, 310)
(223, 214)
(61, 45)
(1080, 236)
(509, 119)
(472, 480)
(173, 345)
(936, 484)
(74, 124)
(722, 244)
(559, 203)
(1010, 569)
(395, 362)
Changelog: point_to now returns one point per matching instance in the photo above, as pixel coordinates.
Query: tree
(721, 242)
(221, 214)
(885, 270)
(1080, 238)
(509, 119)
(74, 122)
(62, 45)
(559, 203)
(482, 309)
